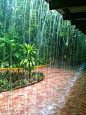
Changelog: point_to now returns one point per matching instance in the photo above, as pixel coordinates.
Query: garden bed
(18, 79)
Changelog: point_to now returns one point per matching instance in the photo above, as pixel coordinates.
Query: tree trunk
(70, 45)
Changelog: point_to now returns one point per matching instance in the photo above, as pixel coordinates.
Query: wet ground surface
(76, 101)
(60, 93)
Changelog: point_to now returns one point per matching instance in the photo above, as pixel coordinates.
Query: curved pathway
(44, 98)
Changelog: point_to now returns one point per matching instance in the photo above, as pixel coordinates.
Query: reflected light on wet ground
(44, 98)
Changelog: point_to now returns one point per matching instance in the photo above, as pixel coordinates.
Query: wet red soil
(47, 97)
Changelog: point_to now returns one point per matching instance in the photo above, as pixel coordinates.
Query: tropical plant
(29, 60)
(31, 21)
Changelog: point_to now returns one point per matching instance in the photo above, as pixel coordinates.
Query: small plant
(29, 61)
(4, 64)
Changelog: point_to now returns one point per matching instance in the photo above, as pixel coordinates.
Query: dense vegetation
(13, 80)
(31, 22)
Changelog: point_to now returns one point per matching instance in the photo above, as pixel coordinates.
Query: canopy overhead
(73, 10)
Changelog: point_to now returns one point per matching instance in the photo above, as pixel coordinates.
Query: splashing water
(55, 108)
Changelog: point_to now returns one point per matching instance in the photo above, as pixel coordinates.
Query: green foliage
(29, 60)
(4, 65)
(13, 80)
(10, 47)
(32, 22)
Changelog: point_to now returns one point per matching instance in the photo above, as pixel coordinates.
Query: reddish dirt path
(44, 98)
